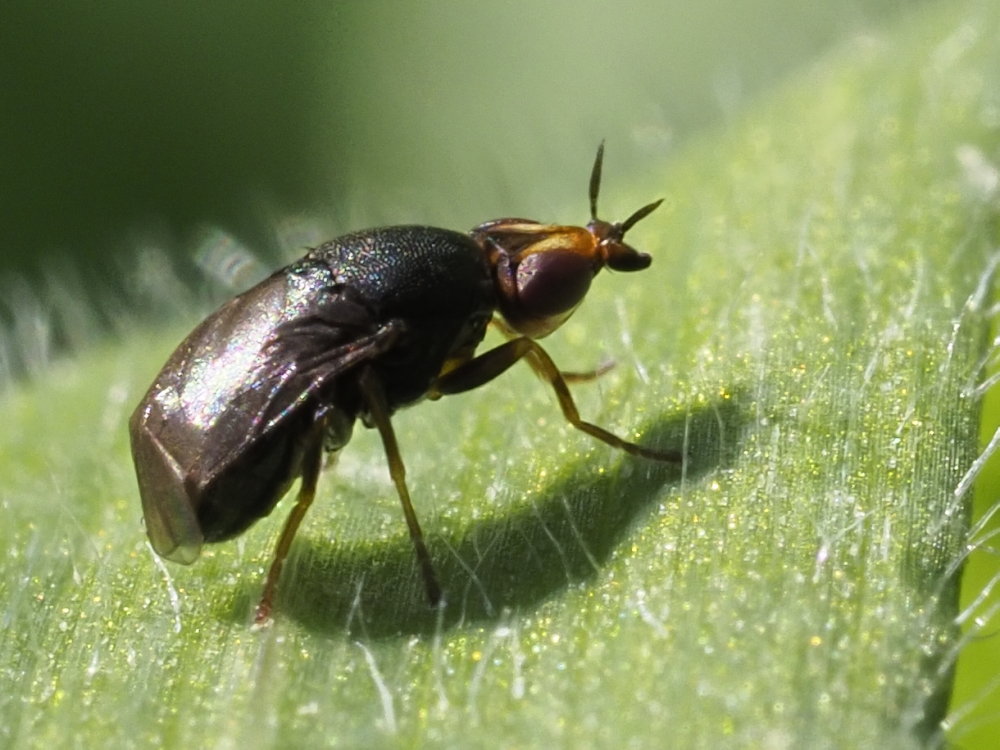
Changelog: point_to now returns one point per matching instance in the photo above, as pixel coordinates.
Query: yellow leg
(490, 364)
(379, 412)
(312, 462)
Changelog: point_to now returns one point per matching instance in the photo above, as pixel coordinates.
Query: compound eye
(553, 283)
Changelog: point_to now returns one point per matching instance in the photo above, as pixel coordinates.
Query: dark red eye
(552, 283)
(540, 290)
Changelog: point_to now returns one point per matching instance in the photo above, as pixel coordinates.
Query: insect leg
(587, 375)
(374, 396)
(545, 368)
(312, 461)
(570, 377)
(492, 363)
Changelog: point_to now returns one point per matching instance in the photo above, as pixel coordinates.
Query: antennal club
(595, 181)
(639, 215)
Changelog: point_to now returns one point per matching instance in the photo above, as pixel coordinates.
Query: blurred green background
(135, 127)
(134, 123)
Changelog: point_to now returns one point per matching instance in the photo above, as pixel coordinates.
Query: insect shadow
(557, 539)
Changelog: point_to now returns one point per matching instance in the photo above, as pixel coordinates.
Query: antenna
(595, 181)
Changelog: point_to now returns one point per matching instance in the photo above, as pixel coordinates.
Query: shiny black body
(220, 434)
(359, 327)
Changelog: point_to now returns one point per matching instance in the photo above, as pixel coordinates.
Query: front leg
(488, 365)
(584, 376)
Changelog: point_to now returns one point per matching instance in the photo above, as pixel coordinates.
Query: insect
(359, 327)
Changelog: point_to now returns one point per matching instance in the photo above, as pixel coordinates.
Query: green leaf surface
(811, 333)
